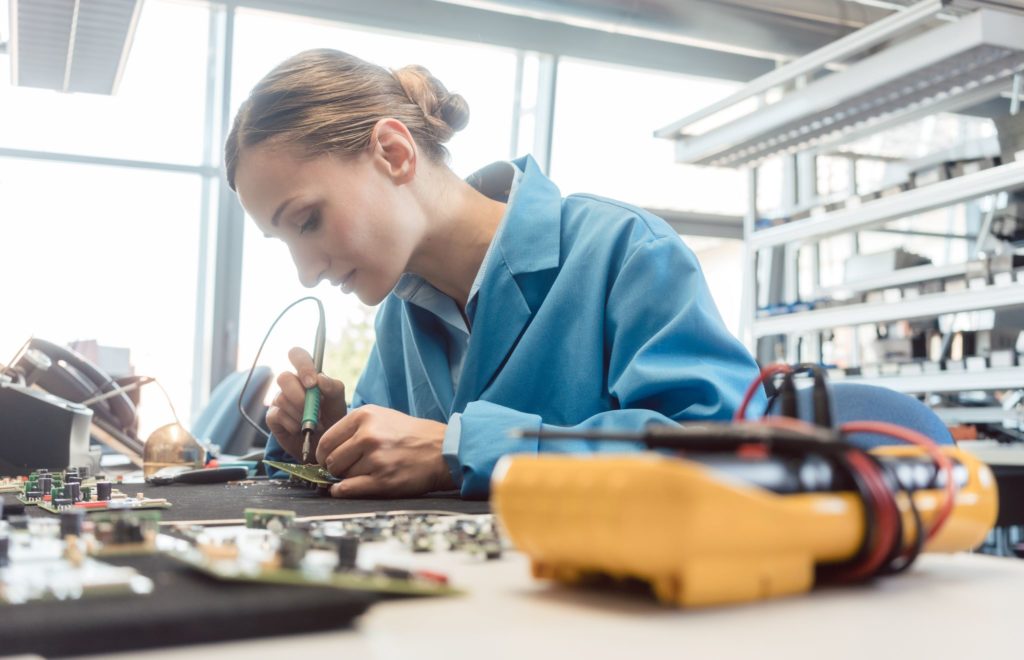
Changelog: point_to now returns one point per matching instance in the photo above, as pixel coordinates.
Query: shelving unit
(876, 212)
(991, 297)
(948, 381)
(938, 57)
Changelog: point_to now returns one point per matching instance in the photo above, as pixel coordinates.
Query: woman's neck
(461, 222)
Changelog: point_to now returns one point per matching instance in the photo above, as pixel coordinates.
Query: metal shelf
(944, 69)
(947, 381)
(902, 277)
(977, 415)
(912, 202)
(992, 297)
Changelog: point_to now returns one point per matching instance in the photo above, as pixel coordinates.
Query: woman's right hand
(285, 414)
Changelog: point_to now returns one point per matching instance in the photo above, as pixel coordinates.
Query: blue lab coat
(591, 314)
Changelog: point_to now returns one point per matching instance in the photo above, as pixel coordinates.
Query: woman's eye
(311, 224)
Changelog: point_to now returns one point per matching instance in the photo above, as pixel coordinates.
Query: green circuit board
(232, 571)
(314, 474)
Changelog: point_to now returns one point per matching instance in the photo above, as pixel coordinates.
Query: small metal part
(306, 446)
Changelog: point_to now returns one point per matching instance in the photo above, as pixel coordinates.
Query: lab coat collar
(529, 242)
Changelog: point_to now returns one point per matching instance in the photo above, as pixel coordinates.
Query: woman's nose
(309, 268)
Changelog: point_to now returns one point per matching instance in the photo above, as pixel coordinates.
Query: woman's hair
(326, 101)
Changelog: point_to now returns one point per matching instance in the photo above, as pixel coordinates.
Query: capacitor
(76, 491)
(292, 549)
(348, 550)
(71, 522)
(103, 491)
(45, 482)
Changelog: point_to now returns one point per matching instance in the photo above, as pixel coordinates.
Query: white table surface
(947, 606)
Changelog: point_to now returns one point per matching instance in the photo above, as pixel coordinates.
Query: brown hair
(327, 101)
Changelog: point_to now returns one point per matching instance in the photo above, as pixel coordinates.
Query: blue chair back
(220, 423)
(860, 402)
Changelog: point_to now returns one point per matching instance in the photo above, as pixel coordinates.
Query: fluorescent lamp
(71, 45)
(945, 69)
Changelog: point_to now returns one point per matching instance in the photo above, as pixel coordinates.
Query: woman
(504, 305)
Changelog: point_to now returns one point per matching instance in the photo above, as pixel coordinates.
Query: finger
(282, 402)
(332, 400)
(343, 458)
(339, 433)
(360, 486)
(281, 422)
(291, 388)
(304, 367)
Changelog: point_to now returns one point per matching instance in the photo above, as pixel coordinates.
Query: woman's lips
(346, 283)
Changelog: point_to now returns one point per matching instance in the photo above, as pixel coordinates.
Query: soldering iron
(311, 405)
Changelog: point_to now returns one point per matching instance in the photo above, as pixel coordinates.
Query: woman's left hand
(382, 452)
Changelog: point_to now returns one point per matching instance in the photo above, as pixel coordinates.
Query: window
(157, 113)
(109, 253)
(104, 253)
(605, 118)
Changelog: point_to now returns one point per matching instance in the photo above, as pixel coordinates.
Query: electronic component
(37, 563)
(56, 491)
(118, 533)
(273, 519)
(276, 547)
(297, 556)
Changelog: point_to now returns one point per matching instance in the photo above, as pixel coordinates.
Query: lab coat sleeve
(372, 388)
(670, 359)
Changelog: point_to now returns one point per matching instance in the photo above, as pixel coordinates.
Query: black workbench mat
(228, 501)
(185, 607)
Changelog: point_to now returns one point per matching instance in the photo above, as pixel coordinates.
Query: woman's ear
(394, 149)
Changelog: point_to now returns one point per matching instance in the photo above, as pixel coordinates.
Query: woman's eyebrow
(280, 209)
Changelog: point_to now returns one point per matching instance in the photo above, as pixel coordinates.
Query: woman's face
(344, 220)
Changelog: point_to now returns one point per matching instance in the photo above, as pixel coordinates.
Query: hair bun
(444, 111)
